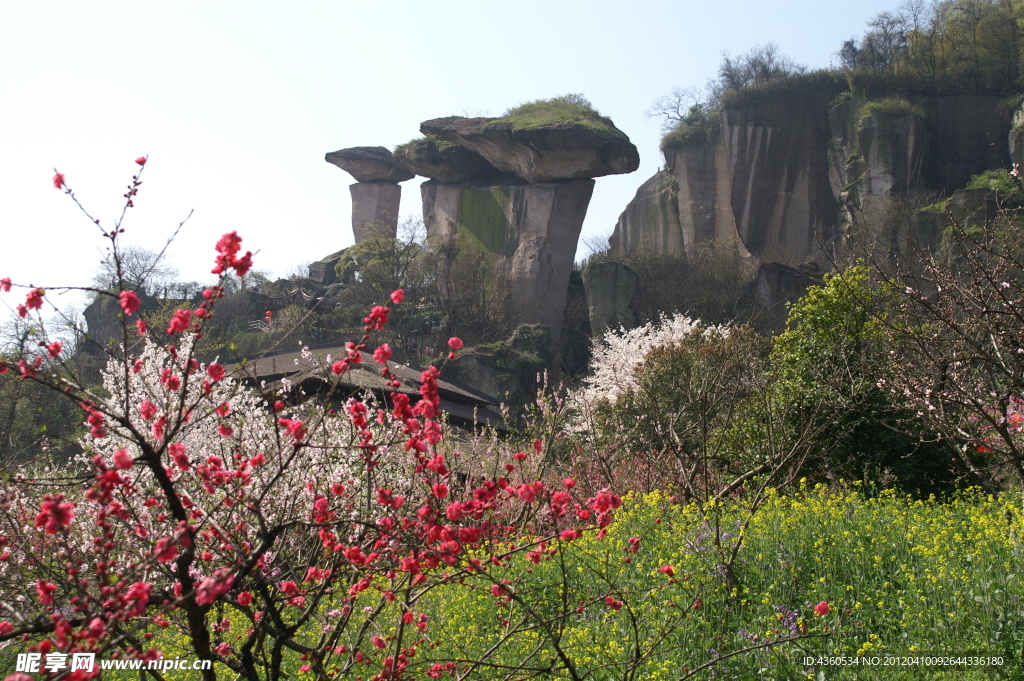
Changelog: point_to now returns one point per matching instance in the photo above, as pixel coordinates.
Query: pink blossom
(141, 160)
(397, 296)
(382, 354)
(455, 342)
(147, 410)
(821, 609)
(137, 598)
(130, 302)
(214, 586)
(123, 460)
(215, 371)
(5, 284)
(55, 514)
(45, 591)
(297, 429)
(58, 180)
(180, 321)
(34, 299)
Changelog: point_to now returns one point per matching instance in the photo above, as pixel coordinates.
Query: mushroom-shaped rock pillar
(519, 190)
(376, 194)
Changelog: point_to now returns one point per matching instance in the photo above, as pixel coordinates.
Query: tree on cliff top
(944, 47)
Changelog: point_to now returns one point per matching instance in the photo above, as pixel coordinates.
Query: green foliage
(822, 81)
(890, 106)
(711, 284)
(571, 108)
(942, 48)
(573, 104)
(699, 126)
(832, 364)
(938, 206)
(999, 181)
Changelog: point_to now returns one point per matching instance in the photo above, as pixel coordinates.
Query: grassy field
(905, 581)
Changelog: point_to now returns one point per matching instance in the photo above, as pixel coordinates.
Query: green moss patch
(890, 106)
(483, 217)
(701, 124)
(571, 108)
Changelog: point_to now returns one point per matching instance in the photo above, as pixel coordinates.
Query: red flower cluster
(130, 302)
(33, 301)
(179, 322)
(227, 248)
(56, 514)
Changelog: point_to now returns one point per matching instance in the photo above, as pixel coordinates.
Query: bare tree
(140, 268)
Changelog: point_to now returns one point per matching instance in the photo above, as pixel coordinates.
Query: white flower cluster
(617, 355)
(288, 479)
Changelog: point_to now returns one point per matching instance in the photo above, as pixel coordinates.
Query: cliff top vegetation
(920, 48)
(569, 108)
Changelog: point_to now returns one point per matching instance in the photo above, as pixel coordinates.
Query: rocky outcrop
(322, 271)
(781, 197)
(651, 220)
(447, 162)
(562, 150)
(610, 289)
(892, 153)
(788, 172)
(1016, 136)
(375, 209)
(777, 286)
(376, 196)
(370, 164)
(530, 230)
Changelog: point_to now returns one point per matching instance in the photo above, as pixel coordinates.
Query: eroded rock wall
(781, 197)
(531, 230)
(375, 209)
(787, 176)
(651, 220)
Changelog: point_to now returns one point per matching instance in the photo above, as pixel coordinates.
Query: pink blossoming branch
(319, 529)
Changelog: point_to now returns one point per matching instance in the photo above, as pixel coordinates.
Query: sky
(236, 103)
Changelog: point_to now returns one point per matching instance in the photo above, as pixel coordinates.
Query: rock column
(376, 194)
(519, 192)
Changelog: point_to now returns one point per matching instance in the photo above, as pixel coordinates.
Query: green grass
(822, 81)
(700, 125)
(938, 206)
(571, 108)
(1000, 182)
(901, 577)
(890, 106)
(439, 143)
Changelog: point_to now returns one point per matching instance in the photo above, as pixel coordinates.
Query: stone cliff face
(780, 194)
(785, 176)
(531, 230)
(651, 220)
(1016, 137)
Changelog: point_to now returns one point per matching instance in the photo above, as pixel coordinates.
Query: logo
(33, 663)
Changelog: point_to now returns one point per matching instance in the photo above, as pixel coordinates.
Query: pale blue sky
(237, 102)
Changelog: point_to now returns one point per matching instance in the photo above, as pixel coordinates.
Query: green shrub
(1002, 184)
(701, 124)
(571, 108)
(890, 106)
(821, 81)
(833, 364)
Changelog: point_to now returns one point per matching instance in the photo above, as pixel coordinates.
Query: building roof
(309, 371)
